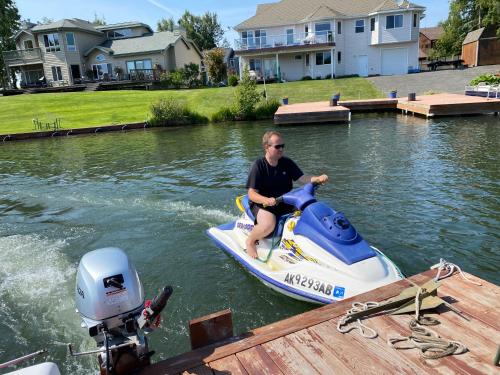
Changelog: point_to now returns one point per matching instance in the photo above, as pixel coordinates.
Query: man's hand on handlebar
(319, 180)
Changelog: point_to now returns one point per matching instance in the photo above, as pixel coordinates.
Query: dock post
(211, 328)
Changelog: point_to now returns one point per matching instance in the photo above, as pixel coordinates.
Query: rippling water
(419, 190)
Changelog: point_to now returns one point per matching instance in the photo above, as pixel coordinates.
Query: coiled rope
(429, 343)
(450, 268)
(362, 328)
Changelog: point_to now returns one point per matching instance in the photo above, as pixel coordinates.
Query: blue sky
(230, 12)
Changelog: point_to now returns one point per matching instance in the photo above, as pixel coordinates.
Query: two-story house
(65, 51)
(292, 39)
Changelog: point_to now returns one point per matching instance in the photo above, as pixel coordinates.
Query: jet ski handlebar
(299, 198)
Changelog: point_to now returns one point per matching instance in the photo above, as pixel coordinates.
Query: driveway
(452, 81)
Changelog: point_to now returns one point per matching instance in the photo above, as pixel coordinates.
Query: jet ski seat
(243, 204)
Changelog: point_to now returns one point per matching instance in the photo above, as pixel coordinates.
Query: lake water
(418, 190)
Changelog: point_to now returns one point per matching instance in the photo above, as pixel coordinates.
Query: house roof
(286, 12)
(139, 45)
(432, 33)
(73, 23)
(123, 25)
(473, 36)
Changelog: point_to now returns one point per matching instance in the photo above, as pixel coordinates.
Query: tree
(165, 25)
(9, 25)
(464, 17)
(214, 61)
(99, 21)
(205, 31)
(45, 20)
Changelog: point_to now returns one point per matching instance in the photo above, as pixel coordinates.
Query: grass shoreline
(87, 109)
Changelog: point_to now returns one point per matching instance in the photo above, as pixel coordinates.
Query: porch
(292, 64)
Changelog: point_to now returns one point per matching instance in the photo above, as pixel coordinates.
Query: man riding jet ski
(312, 252)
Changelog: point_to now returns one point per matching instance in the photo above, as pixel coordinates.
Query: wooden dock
(316, 112)
(309, 343)
(424, 105)
(449, 105)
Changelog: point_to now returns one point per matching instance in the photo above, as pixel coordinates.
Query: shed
(481, 47)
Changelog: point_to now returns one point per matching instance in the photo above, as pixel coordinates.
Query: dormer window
(51, 42)
(394, 22)
(121, 33)
(28, 44)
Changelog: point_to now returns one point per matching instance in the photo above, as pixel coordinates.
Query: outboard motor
(110, 301)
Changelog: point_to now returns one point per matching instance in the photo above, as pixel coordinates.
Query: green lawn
(83, 109)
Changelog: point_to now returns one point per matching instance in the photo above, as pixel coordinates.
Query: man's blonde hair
(267, 136)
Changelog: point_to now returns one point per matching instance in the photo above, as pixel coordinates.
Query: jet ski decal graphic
(296, 251)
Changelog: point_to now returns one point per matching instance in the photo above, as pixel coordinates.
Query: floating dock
(316, 112)
(309, 343)
(424, 105)
(449, 105)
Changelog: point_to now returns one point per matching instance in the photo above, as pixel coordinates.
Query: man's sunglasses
(278, 147)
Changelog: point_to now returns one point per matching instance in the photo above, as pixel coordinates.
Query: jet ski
(314, 253)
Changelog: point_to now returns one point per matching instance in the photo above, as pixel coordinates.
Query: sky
(229, 12)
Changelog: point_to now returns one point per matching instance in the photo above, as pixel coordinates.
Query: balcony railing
(284, 40)
(23, 56)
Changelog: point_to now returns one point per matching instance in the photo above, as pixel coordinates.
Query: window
(122, 33)
(360, 26)
(70, 41)
(139, 65)
(323, 58)
(323, 32)
(393, 22)
(372, 24)
(56, 73)
(260, 38)
(415, 19)
(102, 71)
(339, 28)
(298, 57)
(339, 57)
(28, 44)
(289, 36)
(51, 42)
(307, 59)
(255, 65)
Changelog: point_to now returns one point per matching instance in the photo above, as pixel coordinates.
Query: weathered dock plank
(370, 105)
(229, 364)
(257, 361)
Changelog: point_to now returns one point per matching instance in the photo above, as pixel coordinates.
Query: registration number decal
(297, 279)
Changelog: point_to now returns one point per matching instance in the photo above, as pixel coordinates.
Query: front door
(75, 73)
(363, 65)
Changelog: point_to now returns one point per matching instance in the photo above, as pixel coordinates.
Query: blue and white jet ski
(314, 254)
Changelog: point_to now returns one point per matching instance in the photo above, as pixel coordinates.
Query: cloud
(161, 6)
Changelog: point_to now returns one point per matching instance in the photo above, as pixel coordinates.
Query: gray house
(67, 51)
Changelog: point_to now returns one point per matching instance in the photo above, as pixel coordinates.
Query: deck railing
(145, 74)
(23, 56)
(284, 40)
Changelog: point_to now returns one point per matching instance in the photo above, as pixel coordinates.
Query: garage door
(394, 61)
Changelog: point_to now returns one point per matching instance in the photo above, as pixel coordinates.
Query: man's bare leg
(265, 225)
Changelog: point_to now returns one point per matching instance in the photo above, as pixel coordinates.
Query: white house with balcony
(292, 39)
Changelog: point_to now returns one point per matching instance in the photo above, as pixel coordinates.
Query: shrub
(318, 78)
(328, 76)
(266, 110)
(486, 78)
(214, 61)
(232, 80)
(190, 75)
(306, 78)
(224, 114)
(169, 111)
(173, 79)
(246, 96)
